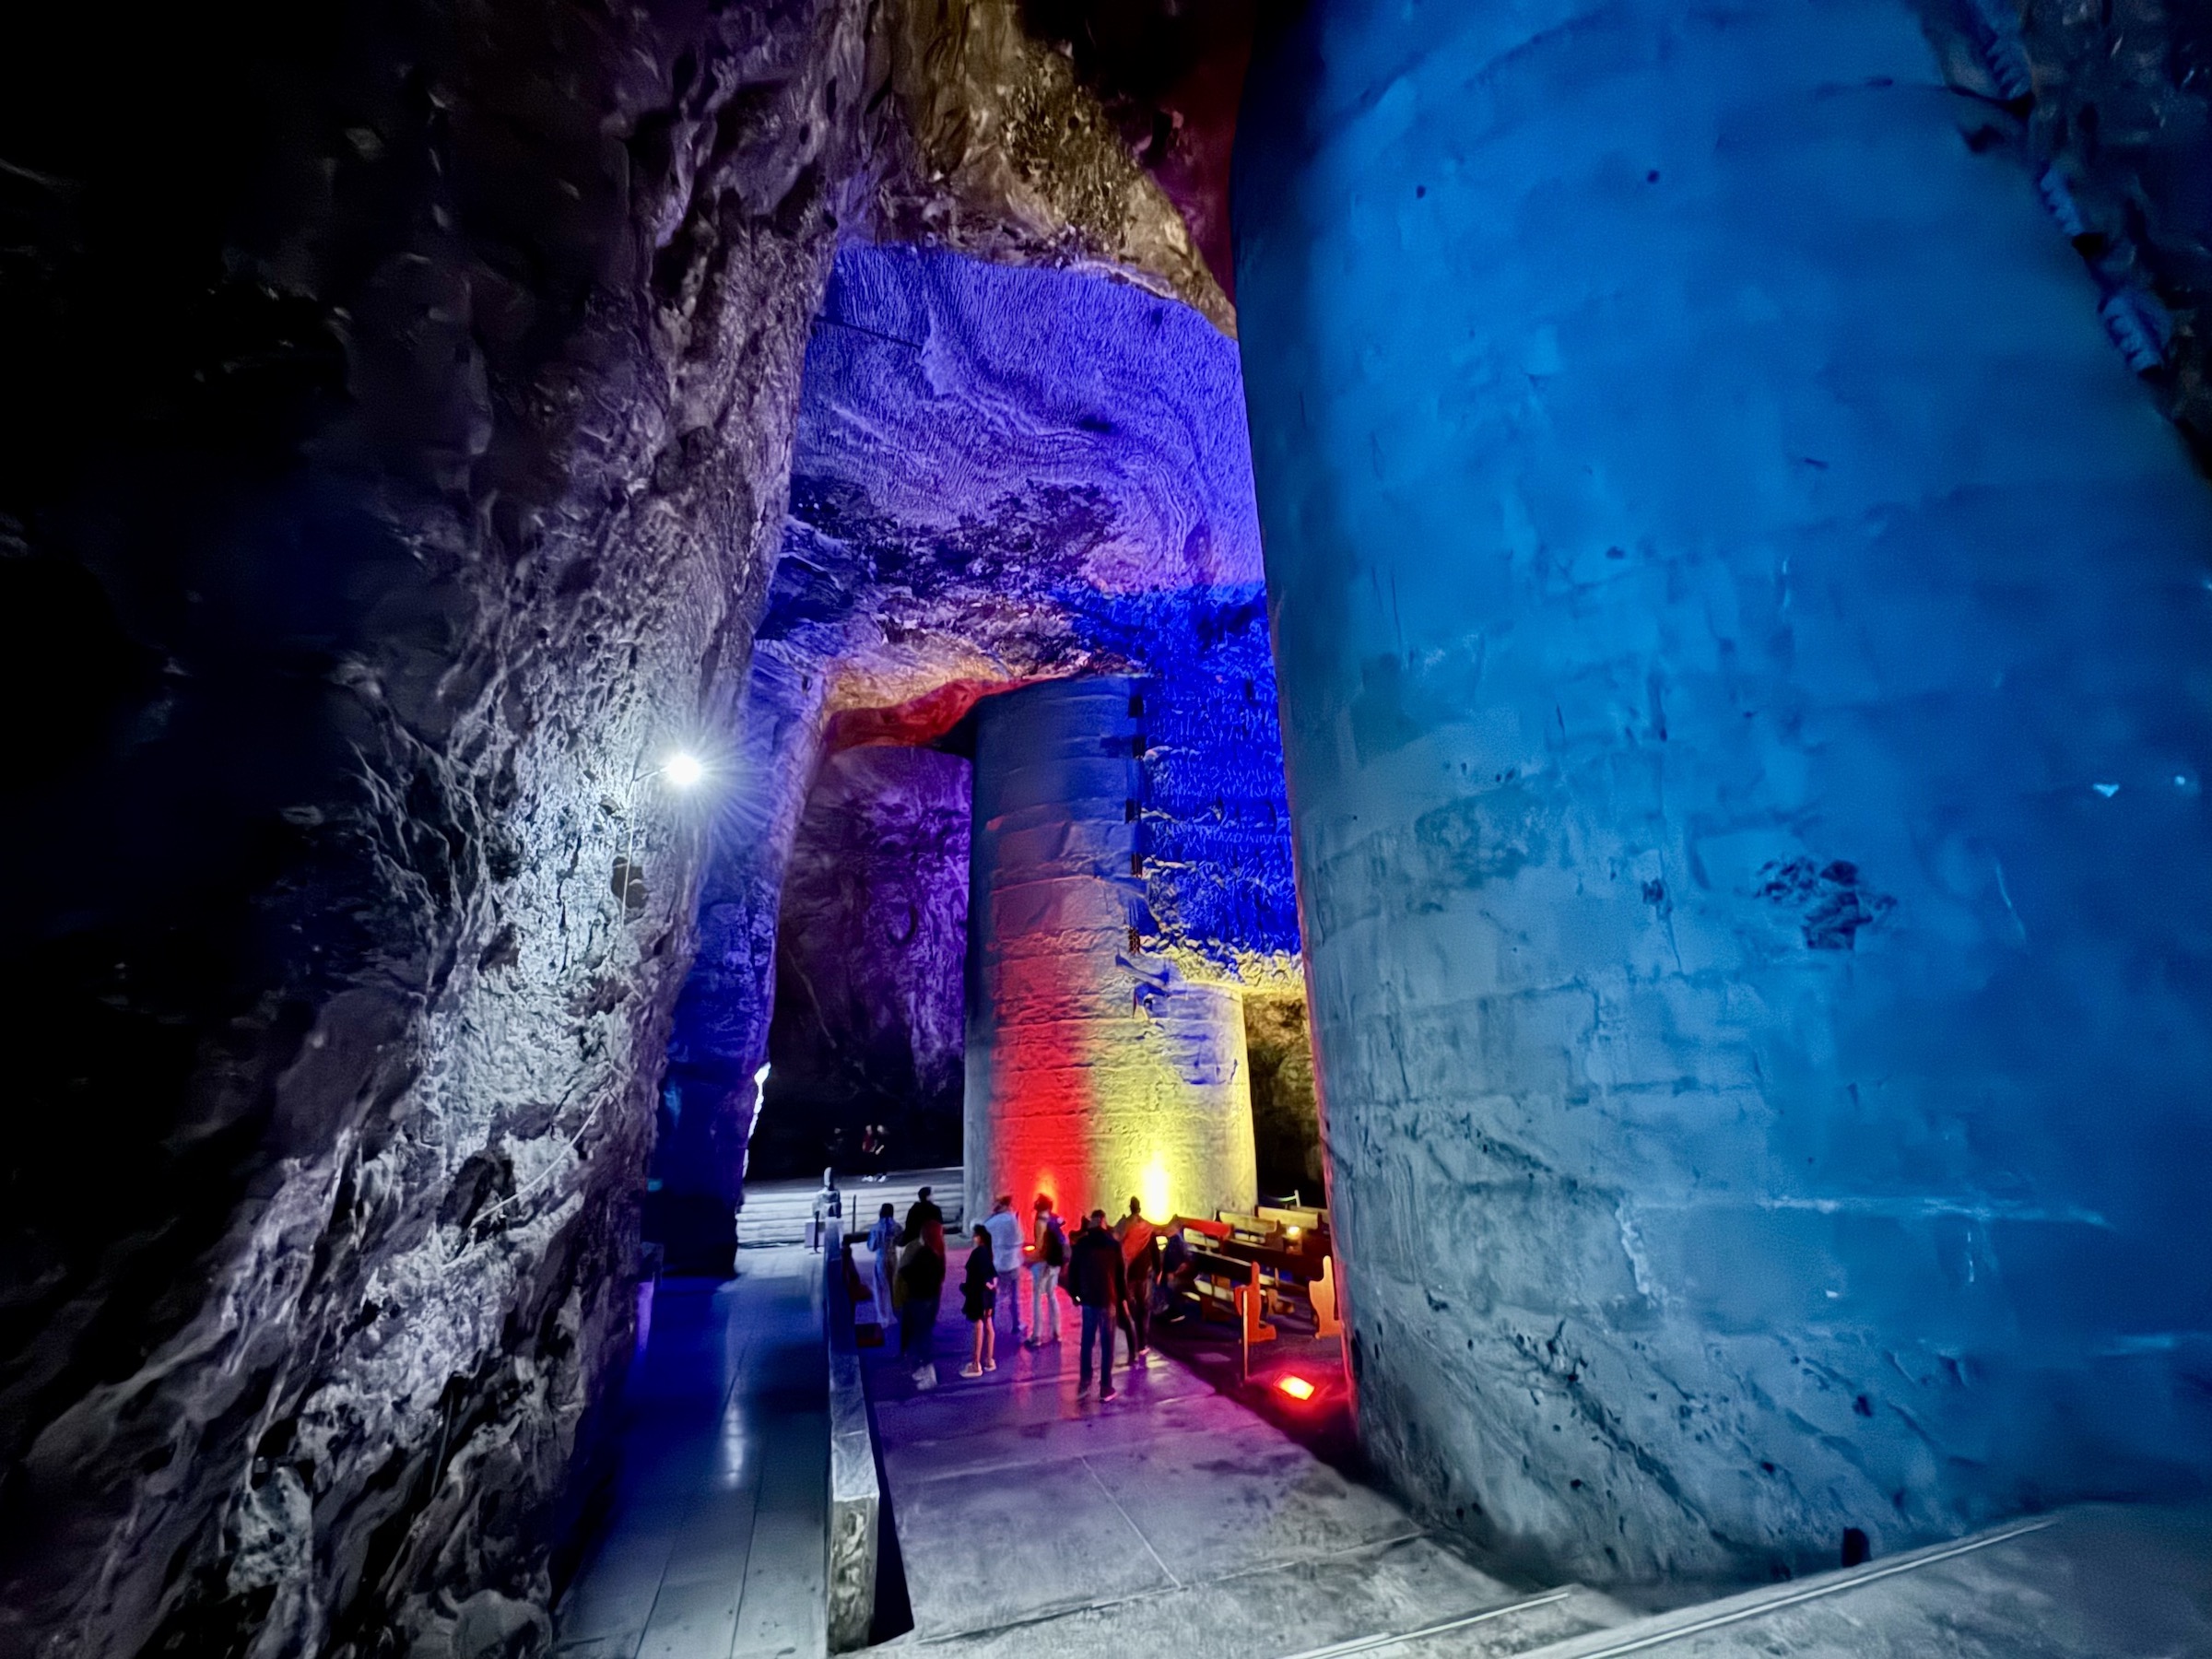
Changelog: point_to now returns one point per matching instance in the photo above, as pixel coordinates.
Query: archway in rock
(1001, 477)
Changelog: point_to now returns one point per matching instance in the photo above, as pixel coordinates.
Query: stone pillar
(1743, 637)
(1094, 1071)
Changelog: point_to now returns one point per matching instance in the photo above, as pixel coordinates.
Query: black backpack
(1055, 1244)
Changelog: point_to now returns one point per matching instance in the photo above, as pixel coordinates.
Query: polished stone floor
(714, 1548)
(1170, 1520)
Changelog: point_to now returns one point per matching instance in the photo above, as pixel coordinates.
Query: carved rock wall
(398, 422)
(1742, 628)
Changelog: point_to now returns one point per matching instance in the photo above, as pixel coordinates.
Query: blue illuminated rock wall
(1000, 477)
(1744, 644)
(1218, 890)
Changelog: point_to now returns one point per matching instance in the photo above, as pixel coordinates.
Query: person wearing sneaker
(1049, 1245)
(976, 1296)
(919, 1284)
(1099, 1283)
(1142, 1260)
(1006, 1255)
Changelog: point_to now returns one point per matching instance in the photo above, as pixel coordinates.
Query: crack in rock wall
(1741, 628)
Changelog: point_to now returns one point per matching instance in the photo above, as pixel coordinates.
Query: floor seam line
(1132, 1523)
(1307, 1560)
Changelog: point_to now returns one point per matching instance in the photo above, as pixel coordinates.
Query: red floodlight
(1298, 1388)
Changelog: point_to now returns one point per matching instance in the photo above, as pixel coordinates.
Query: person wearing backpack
(1050, 1244)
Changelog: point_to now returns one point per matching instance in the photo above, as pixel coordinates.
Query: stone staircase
(776, 1212)
(2100, 1582)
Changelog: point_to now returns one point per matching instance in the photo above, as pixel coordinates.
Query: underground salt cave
(1537, 673)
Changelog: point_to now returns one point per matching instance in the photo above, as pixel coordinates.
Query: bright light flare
(1298, 1388)
(1155, 1188)
(683, 770)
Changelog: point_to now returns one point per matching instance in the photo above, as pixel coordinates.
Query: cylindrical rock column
(1744, 640)
(1094, 1072)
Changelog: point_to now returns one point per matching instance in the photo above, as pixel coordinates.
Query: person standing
(976, 1296)
(1138, 1257)
(1049, 1244)
(1100, 1286)
(920, 1284)
(925, 1222)
(883, 1247)
(1005, 1256)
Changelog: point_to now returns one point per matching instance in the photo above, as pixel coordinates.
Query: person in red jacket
(1099, 1283)
(1141, 1259)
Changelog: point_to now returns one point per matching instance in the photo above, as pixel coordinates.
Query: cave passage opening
(866, 1042)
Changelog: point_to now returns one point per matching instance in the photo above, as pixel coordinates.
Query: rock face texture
(399, 421)
(990, 144)
(1001, 476)
(870, 942)
(1096, 1069)
(1741, 629)
(2109, 106)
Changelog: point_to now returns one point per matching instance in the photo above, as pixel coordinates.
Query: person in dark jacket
(919, 1284)
(1098, 1281)
(976, 1298)
(925, 1222)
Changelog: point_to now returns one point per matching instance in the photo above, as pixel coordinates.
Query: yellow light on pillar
(1155, 1190)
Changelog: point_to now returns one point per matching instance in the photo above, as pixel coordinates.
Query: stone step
(2100, 1582)
(776, 1213)
(1531, 1624)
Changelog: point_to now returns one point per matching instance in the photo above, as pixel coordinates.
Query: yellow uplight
(1154, 1189)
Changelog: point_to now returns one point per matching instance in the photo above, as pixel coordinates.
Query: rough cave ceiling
(1004, 475)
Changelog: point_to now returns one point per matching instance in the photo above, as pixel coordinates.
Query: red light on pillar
(1298, 1388)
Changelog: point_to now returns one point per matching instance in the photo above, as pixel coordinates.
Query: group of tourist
(1109, 1272)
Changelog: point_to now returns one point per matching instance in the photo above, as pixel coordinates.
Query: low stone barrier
(855, 1500)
